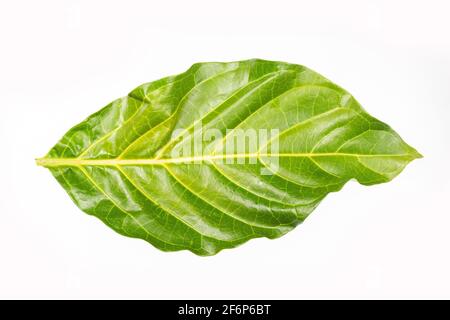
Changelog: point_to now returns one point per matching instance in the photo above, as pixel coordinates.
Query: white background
(62, 60)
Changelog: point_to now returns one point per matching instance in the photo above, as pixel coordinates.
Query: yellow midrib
(65, 162)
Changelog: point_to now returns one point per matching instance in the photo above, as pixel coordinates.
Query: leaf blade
(118, 164)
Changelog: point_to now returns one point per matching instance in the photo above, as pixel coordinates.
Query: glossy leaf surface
(119, 163)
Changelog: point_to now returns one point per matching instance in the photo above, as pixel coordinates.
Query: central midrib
(65, 162)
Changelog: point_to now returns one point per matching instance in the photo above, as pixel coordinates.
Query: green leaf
(142, 165)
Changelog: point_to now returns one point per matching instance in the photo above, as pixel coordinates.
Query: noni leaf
(222, 153)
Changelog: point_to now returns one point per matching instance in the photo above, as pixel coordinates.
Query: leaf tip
(416, 154)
